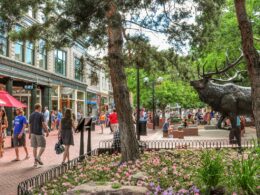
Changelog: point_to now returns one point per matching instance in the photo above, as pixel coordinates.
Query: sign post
(84, 123)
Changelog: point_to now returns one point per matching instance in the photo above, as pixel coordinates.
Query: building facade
(59, 79)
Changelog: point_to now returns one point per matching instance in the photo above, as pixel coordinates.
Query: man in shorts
(36, 126)
(19, 139)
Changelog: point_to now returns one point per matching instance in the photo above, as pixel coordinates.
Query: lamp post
(146, 81)
(137, 101)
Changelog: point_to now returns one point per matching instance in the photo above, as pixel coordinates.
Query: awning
(2, 103)
(10, 101)
(91, 102)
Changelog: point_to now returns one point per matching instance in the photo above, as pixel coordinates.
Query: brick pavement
(11, 173)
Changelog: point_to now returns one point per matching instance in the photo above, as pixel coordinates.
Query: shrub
(211, 170)
(246, 173)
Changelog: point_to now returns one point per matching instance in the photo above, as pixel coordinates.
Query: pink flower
(127, 174)
(234, 193)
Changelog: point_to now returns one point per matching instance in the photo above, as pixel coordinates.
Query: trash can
(142, 128)
(93, 126)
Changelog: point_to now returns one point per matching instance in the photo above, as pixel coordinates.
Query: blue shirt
(166, 126)
(19, 121)
(59, 116)
(238, 122)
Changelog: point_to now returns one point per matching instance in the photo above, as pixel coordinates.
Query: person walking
(59, 117)
(66, 128)
(46, 115)
(36, 126)
(53, 120)
(113, 121)
(102, 121)
(3, 127)
(19, 138)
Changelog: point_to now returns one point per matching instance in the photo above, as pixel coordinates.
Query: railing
(38, 180)
(192, 144)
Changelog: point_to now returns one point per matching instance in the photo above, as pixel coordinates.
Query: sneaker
(37, 159)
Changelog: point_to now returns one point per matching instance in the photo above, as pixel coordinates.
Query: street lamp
(146, 81)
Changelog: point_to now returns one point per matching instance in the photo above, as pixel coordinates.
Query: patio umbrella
(10, 101)
(2, 103)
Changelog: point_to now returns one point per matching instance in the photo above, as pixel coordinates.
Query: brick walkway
(11, 173)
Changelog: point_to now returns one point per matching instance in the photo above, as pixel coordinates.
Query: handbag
(59, 148)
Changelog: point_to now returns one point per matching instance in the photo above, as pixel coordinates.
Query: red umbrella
(10, 101)
(2, 103)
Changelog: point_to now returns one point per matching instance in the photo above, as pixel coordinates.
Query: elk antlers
(228, 66)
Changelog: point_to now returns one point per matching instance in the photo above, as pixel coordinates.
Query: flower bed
(163, 172)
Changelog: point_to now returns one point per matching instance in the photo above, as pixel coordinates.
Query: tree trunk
(252, 59)
(129, 144)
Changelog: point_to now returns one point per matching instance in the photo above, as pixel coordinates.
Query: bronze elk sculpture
(229, 99)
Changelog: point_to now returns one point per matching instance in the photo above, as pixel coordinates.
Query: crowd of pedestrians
(38, 129)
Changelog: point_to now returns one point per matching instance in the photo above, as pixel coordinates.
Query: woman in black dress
(66, 128)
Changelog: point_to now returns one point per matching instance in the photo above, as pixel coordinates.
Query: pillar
(9, 111)
(46, 97)
(33, 97)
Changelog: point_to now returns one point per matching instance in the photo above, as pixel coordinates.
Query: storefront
(92, 104)
(24, 96)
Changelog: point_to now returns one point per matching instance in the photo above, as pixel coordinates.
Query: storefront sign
(28, 87)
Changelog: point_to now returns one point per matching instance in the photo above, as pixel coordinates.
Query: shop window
(60, 62)
(78, 69)
(3, 39)
(42, 54)
(29, 53)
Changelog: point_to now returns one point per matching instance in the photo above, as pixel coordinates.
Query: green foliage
(116, 185)
(211, 170)
(246, 173)
(225, 38)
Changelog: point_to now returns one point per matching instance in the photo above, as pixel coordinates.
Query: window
(42, 54)
(60, 62)
(104, 87)
(94, 78)
(3, 40)
(29, 51)
(78, 69)
(19, 46)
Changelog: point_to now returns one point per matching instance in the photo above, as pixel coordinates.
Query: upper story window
(78, 69)
(104, 86)
(94, 78)
(60, 62)
(29, 53)
(3, 40)
(19, 46)
(42, 54)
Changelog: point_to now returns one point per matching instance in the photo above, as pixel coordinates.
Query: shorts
(102, 122)
(19, 142)
(38, 141)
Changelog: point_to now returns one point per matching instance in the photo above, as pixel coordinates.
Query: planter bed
(161, 172)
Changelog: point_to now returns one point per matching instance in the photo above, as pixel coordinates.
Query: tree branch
(146, 27)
